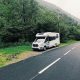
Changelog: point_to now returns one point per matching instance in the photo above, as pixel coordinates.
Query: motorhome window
(52, 38)
(47, 39)
(40, 37)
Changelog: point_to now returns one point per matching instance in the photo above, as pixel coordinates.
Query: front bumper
(38, 48)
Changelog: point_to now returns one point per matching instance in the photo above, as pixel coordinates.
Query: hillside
(58, 10)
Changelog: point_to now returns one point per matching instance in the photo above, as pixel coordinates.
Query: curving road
(57, 64)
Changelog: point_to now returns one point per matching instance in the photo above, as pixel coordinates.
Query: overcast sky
(71, 6)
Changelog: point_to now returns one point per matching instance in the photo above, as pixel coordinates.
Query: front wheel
(44, 48)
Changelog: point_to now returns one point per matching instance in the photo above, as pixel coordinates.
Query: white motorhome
(46, 40)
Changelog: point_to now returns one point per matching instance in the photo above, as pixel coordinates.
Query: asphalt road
(57, 64)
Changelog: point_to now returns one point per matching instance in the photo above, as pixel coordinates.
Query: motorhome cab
(46, 40)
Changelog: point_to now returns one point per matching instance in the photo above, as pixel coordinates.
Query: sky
(70, 6)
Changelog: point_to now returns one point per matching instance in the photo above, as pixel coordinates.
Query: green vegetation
(10, 53)
(20, 20)
(68, 43)
(15, 50)
(2, 61)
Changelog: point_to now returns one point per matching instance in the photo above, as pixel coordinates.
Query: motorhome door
(47, 42)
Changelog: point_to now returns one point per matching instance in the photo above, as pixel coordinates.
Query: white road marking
(67, 52)
(40, 72)
(43, 70)
(34, 77)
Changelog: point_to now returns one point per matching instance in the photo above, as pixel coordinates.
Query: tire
(34, 49)
(44, 48)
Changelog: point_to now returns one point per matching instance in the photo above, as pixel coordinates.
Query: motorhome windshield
(40, 39)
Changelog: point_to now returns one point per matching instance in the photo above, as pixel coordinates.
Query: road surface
(57, 64)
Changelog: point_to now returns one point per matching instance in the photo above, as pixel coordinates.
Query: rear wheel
(56, 44)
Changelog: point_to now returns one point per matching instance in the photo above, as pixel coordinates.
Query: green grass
(68, 42)
(5, 52)
(15, 50)
(2, 61)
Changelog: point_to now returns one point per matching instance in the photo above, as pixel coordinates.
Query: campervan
(46, 40)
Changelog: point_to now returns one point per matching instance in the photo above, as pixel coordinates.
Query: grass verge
(10, 53)
(68, 43)
(15, 50)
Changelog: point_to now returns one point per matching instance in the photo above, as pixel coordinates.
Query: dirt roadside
(21, 56)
